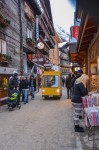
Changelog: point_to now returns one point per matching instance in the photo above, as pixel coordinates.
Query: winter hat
(15, 73)
(79, 71)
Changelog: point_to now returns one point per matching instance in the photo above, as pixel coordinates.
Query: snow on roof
(60, 45)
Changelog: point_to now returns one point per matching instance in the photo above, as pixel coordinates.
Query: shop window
(3, 83)
(3, 46)
(4, 86)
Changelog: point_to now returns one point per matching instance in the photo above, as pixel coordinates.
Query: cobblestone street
(40, 125)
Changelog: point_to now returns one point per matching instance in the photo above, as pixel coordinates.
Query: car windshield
(51, 81)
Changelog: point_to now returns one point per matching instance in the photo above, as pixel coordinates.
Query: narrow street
(41, 125)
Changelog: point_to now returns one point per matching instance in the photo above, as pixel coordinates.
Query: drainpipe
(21, 38)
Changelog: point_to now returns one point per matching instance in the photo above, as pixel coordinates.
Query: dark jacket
(73, 80)
(32, 83)
(24, 84)
(13, 83)
(79, 91)
(68, 81)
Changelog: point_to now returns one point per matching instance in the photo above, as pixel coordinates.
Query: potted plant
(4, 22)
(5, 57)
(30, 41)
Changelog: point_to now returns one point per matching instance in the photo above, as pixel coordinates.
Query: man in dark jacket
(20, 88)
(68, 86)
(24, 85)
(13, 81)
(32, 86)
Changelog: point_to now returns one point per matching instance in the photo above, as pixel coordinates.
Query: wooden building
(17, 38)
(88, 47)
(18, 42)
(64, 58)
(45, 32)
(54, 53)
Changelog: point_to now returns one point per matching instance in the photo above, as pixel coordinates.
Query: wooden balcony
(45, 32)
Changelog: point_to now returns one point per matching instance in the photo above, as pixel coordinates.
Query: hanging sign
(75, 31)
(37, 29)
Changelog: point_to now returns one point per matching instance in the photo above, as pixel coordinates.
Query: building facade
(18, 42)
(54, 53)
(44, 33)
(64, 58)
(88, 47)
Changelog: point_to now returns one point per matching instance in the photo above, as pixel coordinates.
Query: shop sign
(6, 70)
(75, 31)
(37, 30)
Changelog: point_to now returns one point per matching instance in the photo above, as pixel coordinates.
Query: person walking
(79, 91)
(68, 86)
(25, 89)
(63, 81)
(32, 86)
(20, 88)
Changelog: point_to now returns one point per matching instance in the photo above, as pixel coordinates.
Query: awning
(87, 30)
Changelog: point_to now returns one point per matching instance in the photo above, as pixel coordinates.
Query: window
(51, 81)
(29, 33)
(3, 46)
(3, 82)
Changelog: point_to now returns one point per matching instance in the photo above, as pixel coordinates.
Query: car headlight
(58, 90)
(43, 90)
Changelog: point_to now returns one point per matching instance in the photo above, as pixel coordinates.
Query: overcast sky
(63, 14)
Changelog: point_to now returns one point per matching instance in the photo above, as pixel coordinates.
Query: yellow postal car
(51, 84)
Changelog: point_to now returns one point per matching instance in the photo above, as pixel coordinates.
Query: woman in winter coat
(80, 90)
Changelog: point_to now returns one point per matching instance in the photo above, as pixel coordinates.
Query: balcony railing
(45, 30)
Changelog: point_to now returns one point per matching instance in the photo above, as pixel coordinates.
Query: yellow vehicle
(51, 84)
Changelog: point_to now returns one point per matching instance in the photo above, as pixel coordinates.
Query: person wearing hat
(13, 83)
(76, 75)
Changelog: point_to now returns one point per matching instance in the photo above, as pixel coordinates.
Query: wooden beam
(86, 41)
(90, 31)
(87, 38)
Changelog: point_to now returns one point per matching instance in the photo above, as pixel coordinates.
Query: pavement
(42, 125)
